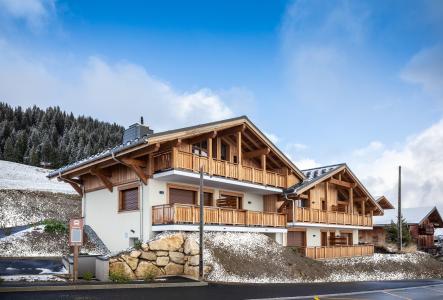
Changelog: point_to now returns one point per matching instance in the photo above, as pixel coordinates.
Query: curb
(100, 287)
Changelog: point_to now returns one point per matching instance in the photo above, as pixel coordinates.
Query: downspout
(293, 207)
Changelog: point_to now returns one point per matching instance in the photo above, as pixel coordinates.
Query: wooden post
(210, 171)
(200, 265)
(351, 202)
(400, 235)
(327, 195)
(263, 166)
(174, 157)
(75, 273)
(218, 154)
(239, 158)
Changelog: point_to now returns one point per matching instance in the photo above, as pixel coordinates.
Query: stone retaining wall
(175, 254)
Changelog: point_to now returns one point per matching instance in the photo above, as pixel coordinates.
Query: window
(230, 201)
(200, 148)
(128, 199)
(182, 196)
(207, 199)
(224, 152)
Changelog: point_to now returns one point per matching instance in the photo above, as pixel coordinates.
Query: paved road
(251, 291)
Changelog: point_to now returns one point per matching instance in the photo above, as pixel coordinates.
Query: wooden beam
(253, 141)
(351, 199)
(232, 130)
(210, 154)
(327, 194)
(136, 166)
(218, 148)
(67, 179)
(341, 183)
(205, 136)
(76, 187)
(255, 153)
(103, 178)
(239, 155)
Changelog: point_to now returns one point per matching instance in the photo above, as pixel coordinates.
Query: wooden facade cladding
(119, 174)
(189, 214)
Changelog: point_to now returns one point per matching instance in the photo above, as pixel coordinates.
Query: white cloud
(306, 164)
(373, 146)
(35, 13)
(426, 69)
(118, 92)
(422, 165)
(274, 138)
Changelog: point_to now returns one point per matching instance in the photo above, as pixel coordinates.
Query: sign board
(76, 232)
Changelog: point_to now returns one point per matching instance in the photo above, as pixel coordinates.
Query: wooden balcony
(311, 215)
(190, 214)
(192, 162)
(329, 252)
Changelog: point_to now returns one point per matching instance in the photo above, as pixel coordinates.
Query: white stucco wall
(313, 237)
(113, 227)
(100, 209)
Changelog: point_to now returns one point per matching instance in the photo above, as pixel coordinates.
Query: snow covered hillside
(16, 176)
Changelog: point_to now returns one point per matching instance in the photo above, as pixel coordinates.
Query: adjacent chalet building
(422, 222)
(149, 184)
(326, 212)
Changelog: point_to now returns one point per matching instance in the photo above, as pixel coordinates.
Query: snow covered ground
(17, 176)
(32, 278)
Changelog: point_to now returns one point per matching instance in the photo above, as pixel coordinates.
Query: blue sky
(329, 81)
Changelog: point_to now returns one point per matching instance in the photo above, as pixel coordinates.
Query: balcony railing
(337, 251)
(311, 215)
(190, 214)
(189, 161)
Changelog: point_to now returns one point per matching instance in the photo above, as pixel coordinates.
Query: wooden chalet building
(149, 184)
(422, 222)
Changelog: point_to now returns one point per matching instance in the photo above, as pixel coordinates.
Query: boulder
(162, 261)
(122, 268)
(145, 247)
(191, 247)
(177, 257)
(173, 269)
(193, 260)
(169, 243)
(162, 253)
(150, 255)
(135, 253)
(131, 261)
(147, 267)
(193, 270)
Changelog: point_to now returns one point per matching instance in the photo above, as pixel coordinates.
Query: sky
(359, 82)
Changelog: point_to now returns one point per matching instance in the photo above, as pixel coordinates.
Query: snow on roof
(413, 215)
(313, 175)
(15, 176)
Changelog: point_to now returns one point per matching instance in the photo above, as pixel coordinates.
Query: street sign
(76, 232)
(76, 240)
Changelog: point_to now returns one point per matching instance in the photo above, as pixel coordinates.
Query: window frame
(124, 188)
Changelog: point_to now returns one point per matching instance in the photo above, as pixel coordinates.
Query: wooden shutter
(207, 199)
(129, 199)
(296, 238)
(181, 196)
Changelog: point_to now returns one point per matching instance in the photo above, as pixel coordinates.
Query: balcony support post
(263, 166)
(210, 161)
(239, 154)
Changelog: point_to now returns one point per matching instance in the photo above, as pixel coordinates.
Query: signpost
(200, 265)
(76, 240)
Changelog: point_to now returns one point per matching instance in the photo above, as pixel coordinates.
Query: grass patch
(55, 226)
(149, 275)
(118, 277)
(88, 276)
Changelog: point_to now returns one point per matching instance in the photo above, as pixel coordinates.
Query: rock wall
(175, 254)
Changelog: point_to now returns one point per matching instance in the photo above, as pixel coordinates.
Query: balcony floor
(324, 225)
(216, 182)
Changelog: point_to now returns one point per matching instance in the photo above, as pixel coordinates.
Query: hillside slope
(28, 197)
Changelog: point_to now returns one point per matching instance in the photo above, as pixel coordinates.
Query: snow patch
(15, 176)
(32, 278)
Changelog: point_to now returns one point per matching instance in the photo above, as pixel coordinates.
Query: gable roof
(414, 215)
(384, 202)
(317, 175)
(165, 136)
